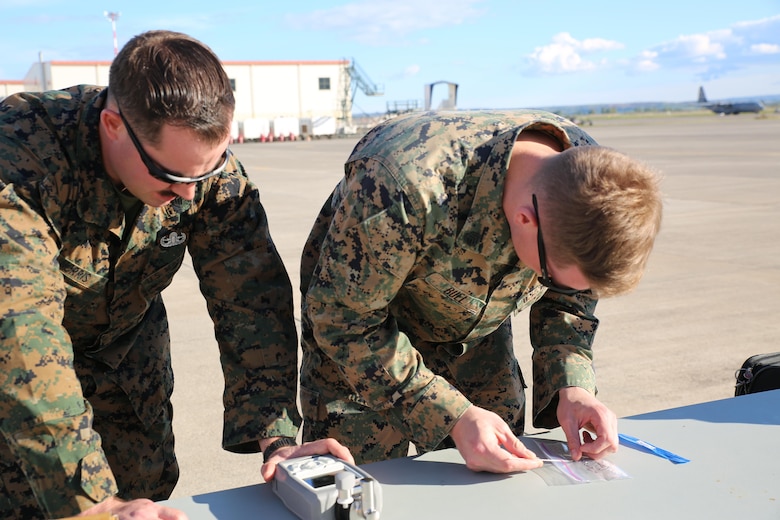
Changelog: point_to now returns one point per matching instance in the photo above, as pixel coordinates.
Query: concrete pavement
(706, 303)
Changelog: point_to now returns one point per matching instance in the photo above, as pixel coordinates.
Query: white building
(282, 91)
(8, 87)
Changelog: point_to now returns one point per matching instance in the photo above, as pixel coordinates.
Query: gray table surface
(733, 444)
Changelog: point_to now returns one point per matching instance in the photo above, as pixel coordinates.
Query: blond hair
(602, 212)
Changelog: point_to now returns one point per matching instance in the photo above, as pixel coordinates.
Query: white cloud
(381, 22)
(647, 61)
(715, 53)
(762, 26)
(765, 48)
(565, 54)
(697, 48)
(600, 44)
(409, 72)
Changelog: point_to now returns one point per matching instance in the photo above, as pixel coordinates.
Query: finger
(339, 450)
(572, 432)
(321, 447)
(590, 429)
(599, 447)
(595, 450)
(167, 513)
(517, 465)
(516, 447)
(497, 460)
(505, 462)
(606, 437)
(268, 471)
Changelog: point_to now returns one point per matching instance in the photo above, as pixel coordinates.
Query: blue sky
(502, 53)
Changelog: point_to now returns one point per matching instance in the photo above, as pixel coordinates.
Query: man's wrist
(281, 442)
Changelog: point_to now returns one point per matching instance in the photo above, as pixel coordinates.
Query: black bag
(759, 373)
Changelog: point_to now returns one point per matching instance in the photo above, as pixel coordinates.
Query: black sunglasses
(545, 279)
(160, 173)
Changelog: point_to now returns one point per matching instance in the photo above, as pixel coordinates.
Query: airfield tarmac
(709, 298)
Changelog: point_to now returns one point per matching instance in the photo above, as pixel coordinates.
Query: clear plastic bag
(564, 471)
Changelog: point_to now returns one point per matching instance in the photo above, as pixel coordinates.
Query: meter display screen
(318, 482)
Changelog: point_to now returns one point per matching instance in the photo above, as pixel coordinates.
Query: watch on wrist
(278, 443)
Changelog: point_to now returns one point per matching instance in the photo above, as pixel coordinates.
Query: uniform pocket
(154, 283)
(434, 309)
(85, 292)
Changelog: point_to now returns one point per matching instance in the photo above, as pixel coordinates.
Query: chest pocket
(154, 283)
(151, 262)
(85, 289)
(436, 310)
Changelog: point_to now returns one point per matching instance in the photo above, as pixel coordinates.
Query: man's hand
(579, 409)
(319, 447)
(139, 509)
(479, 435)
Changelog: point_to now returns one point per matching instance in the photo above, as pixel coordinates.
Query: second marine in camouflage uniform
(83, 324)
(410, 278)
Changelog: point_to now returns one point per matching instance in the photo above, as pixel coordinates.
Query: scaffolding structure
(353, 78)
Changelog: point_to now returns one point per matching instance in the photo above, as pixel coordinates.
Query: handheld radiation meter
(322, 487)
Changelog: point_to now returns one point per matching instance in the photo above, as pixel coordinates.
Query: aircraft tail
(702, 97)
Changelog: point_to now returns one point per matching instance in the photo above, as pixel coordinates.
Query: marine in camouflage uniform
(85, 366)
(409, 279)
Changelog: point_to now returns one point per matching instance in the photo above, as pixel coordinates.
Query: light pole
(113, 17)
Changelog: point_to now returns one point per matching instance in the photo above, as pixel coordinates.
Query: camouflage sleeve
(372, 244)
(44, 418)
(562, 330)
(249, 297)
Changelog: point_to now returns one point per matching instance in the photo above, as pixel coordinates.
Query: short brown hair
(165, 77)
(602, 212)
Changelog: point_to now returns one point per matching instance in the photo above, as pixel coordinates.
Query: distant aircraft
(729, 108)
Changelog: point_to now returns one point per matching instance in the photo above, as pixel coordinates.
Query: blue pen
(639, 444)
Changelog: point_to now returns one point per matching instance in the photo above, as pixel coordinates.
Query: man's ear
(524, 216)
(111, 123)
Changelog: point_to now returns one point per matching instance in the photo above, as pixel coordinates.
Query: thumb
(572, 432)
(267, 471)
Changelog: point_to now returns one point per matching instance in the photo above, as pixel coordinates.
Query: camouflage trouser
(487, 373)
(140, 452)
(141, 456)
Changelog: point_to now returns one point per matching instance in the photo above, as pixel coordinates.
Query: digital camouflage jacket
(76, 277)
(417, 245)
